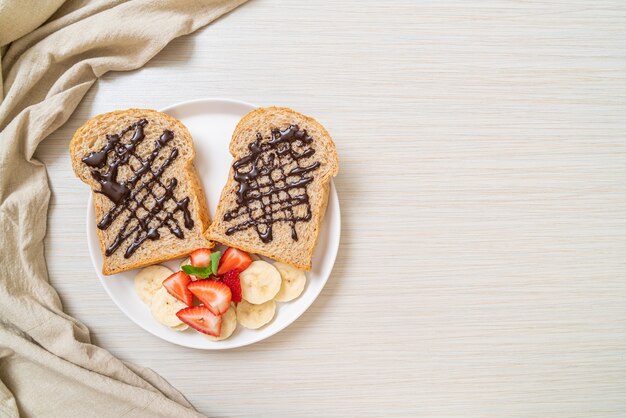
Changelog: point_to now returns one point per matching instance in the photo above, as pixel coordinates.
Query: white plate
(211, 123)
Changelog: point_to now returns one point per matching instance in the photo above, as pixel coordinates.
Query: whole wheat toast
(148, 200)
(277, 189)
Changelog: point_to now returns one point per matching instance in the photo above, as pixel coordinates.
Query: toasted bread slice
(277, 190)
(148, 200)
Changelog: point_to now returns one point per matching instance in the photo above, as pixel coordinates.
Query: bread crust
(332, 160)
(197, 196)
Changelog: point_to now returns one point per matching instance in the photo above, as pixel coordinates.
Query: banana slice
(181, 327)
(149, 280)
(164, 307)
(229, 323)
(293, 281)
(255, 316)
(260, 282)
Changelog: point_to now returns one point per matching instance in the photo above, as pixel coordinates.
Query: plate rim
(334, 198)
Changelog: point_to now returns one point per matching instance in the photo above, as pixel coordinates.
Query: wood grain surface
(482, 269)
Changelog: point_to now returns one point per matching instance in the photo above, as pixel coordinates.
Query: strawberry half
(215, 295)
(200, 257)
(201, 319)
(233, 259)
(231, 279)
(176, 285)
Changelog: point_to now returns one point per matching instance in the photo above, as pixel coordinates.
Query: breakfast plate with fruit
(212, 224)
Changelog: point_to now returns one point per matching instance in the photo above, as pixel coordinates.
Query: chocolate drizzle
(143, 191)
(273, 183)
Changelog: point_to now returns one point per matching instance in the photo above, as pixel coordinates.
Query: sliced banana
(149, 280)
(229, 323)
(164, 307)
(255, 316)
(293, 281)
(181, 327)
(260, 282)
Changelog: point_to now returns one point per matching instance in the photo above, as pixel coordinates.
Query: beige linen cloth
(53, 52)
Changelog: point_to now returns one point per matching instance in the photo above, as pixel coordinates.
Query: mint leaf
(202, 272)
(215, 261)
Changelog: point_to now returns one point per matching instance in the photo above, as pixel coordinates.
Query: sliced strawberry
(201, 319)
(231, 279)
(214, 294)
(176, 285)
(200, 257)
(233, 259)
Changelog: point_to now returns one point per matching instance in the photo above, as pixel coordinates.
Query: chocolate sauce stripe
(262, 160)
(147, 219)
(296, 202)
(288, 209)
(299, 184)
(132, 198)
(124, 195)
(288, 186)
(124, 237)
(144, 223)
(263, 219)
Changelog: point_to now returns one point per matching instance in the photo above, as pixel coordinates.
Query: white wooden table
(482, 270)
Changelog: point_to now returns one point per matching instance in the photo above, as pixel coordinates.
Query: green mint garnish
(202, 272)
(215, 261)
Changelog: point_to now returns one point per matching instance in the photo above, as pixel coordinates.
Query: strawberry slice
(215, 295)
(200, 257)
(201, 319)
(233, 259)
(231, 279)
(176, 285)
